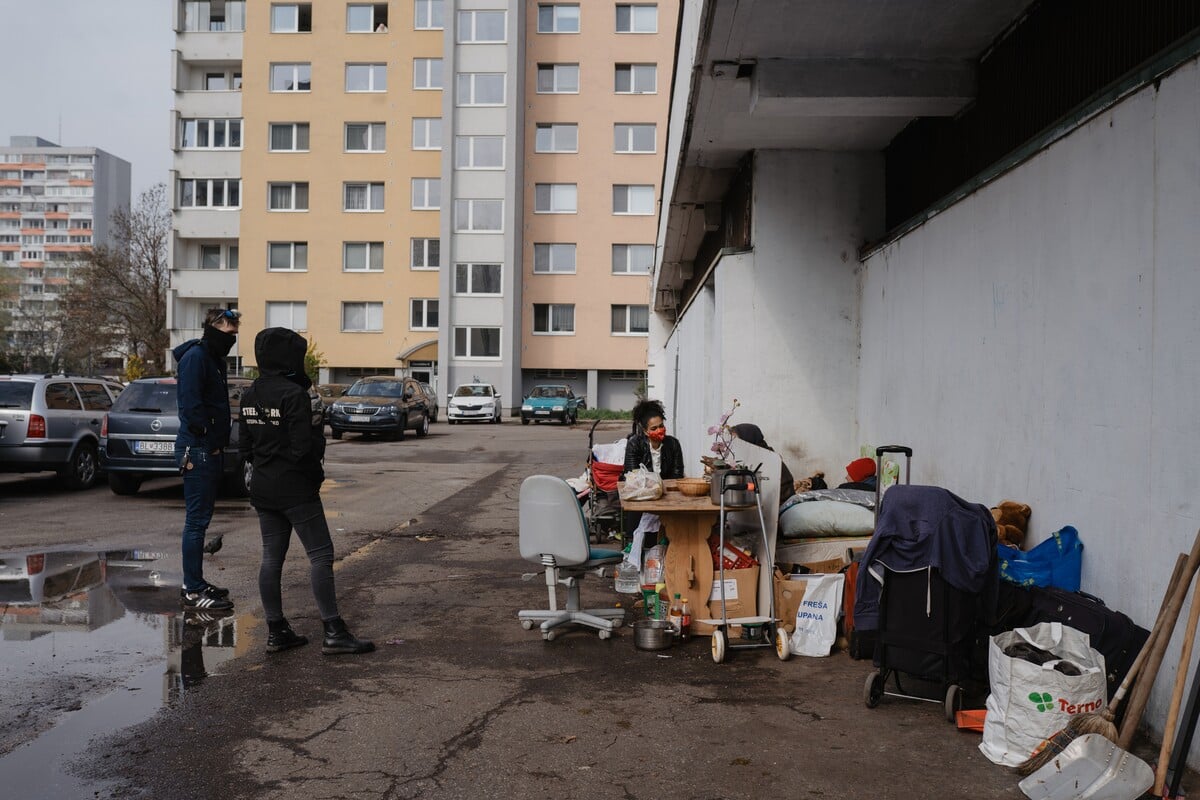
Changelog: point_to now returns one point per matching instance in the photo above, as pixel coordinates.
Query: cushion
(826, 518)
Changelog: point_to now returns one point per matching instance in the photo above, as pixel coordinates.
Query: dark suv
(52, 422)
(381, 404)
(138, 438)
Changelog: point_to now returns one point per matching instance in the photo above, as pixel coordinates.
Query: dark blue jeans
(308, 520)
(200, 485)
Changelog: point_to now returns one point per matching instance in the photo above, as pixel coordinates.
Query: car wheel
(423, 426)
(449, 421)
(124, 484)
(237, 483)
(399, 435)
(82, 469)
(566, 419)
(433, 417)
(335, 433)
(524, 420)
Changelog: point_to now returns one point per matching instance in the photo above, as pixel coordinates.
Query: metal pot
(739, 486)
(653, 634)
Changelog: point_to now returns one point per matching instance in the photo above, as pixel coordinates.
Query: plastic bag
(641, 484)
(1058, 561)
(816, 618)
(1031, 702)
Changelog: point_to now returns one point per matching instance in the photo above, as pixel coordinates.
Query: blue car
(551, 401)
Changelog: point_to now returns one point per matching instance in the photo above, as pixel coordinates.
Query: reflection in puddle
(91, 644)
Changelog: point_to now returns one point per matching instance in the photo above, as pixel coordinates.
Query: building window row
(357, 317)
(558, 319)
(559, 258)
(210, 134)
(565, 18)
(356, 256)
(356, 196)
(360, 17)
(358, 77)
(563, 137)
(627, 78)
(359, 137)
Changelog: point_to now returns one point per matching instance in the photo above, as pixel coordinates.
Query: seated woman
(650, 446)
(860, 474)
(748, 432)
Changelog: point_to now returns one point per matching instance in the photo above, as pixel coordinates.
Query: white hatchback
(474, 402)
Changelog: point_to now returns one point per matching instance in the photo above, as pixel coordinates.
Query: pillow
(826, 518)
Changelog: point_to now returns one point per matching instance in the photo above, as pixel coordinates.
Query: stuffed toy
(1012, 521)
(814, 481)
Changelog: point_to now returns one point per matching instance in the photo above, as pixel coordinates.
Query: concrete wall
(1037, 341)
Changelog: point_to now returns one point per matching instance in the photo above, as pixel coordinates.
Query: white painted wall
(1038, 341)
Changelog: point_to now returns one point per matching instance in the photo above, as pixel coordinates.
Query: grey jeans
(308, 520)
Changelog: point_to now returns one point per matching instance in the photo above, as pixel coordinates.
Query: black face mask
(219, 342)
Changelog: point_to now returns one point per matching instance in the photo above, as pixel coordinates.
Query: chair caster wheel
(618, 623)
(549, 635)
(605, 634)
(527, 624)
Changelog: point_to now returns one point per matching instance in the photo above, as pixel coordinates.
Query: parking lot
(458, 701)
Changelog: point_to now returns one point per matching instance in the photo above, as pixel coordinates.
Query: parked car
(382, 404)
(551, 401)
(329, 393)
(52, 422)
(474, 402)
(138, 438)
(431, 400)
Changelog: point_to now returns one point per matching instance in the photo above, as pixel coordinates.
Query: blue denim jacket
(204, 416)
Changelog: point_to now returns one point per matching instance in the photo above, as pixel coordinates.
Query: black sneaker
(205, 599)
(216, 591)
(204, 619)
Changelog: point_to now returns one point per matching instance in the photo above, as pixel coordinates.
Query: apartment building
(55, 202)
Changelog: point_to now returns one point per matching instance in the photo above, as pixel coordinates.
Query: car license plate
(359, 418)
(155, 448)
(547, 413)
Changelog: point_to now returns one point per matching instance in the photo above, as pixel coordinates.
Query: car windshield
(377, 389)
(473, 391)
(549, 391)
(150, 397)
(16, 394)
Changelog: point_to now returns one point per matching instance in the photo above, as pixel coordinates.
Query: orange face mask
(657, 435)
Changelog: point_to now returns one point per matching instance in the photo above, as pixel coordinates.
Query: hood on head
(280, 351)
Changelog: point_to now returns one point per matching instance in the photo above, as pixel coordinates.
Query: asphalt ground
(459, 701)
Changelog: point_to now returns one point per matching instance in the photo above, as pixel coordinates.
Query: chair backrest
(551, 521)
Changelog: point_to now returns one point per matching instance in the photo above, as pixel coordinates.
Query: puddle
(91, 643)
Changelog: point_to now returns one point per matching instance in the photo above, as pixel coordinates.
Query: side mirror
(344, 391)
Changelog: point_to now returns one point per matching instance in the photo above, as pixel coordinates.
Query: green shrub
(603, 413)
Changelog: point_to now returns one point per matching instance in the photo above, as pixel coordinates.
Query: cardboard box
(788, 596)
(741, 598)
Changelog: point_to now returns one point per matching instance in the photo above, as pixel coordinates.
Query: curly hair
(647, 410)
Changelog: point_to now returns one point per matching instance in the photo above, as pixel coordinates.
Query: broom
(1103, 722)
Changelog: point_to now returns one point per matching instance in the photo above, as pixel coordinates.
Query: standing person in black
(283, 435)
(650, 446)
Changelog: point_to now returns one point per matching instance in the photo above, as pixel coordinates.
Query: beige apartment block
(341, 169)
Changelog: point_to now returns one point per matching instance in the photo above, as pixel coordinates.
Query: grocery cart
(738, 489)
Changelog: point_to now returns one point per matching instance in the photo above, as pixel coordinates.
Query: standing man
(204, 422)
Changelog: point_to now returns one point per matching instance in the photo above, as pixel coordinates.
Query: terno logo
(1043, 701)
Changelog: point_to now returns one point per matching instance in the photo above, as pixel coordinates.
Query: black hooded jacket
(282, 432)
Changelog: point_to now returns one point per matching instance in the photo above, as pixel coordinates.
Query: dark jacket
(637, 454)
(203, 397)
(753, 434)
(282, 431)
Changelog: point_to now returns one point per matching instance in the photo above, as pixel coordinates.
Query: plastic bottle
(685, 621)
(675, 615)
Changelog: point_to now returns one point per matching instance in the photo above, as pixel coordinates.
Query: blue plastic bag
(1058, 561)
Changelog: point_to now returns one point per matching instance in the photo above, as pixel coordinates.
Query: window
(637, 18)
(477, 279)
(95, 398)
(429, 15)
(365, 137)
(556, 137)
(366, 77)
(426, 254)
(289, 137)
(210, 134)
(366, 18)
(636, 79)
(287, 196)
(553, 318)
(362, 197)
(632, 138)
(633, 199)
(287, 314)
(632, 259)
(62, 397)
(362, 256)
(627, 375)
(216, 82)
(552, 258)
(423, 314)
(558, 79)
(360, 317)
(427, 73)
(426, 194)
(291, 77)
(479, 152)
(210, 256)
(232, 257)
(480, 89)
(478, 216)
(555, 198)
(631, 320)
(472, 342)
(558, 18)
(291, 18)
(480, 27)
(427, 133)
(210, 193)
(287, 256)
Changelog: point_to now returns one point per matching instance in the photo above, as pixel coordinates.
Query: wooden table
(688, 521)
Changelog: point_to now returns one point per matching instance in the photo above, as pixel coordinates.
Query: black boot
(280, 636)
(340, 641)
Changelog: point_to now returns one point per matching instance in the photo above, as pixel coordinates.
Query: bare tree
(117, 299)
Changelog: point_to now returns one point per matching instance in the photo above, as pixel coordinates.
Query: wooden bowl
(693, 487)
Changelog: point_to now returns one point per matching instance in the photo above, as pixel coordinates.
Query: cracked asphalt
(459, 701)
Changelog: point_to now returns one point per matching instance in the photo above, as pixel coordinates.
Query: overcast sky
(102, 67)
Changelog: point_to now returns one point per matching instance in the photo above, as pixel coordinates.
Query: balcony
(209, 46)
(206, 223)
(209, 104)
(205, 283)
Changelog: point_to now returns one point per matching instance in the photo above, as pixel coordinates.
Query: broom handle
(1141, 693)
(1185, 659)
(1136, 667)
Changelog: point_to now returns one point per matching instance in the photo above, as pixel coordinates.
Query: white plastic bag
(641, 484)
(1031, 702)
(816, 618)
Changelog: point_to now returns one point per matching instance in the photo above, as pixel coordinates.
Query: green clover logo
(1042, 700)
